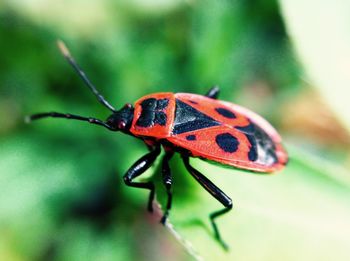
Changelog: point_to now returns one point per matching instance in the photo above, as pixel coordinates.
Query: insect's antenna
(69, 116)
(64, 50)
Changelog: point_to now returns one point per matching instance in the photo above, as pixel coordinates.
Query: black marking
(227, 142)
(253, 152)
(193, 102)
(162, 104)
(191, 137)
(188, 119)
(262, 147)
(249, 131)
(160, 118)
(152, 112)
(149, 104)
(226, 113)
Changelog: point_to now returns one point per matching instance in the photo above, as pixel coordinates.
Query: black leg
(213, 92)
(167, 181)
(140, 167)
(216, 193)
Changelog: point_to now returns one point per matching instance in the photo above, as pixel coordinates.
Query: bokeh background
(61, 190)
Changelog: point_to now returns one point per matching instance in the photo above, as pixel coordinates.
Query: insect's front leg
(140, 167)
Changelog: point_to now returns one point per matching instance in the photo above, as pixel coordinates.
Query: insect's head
(121, 120)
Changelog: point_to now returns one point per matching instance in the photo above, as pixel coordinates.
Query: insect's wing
(233, 147)
(243, 139)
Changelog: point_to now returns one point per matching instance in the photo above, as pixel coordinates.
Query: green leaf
(301, 213)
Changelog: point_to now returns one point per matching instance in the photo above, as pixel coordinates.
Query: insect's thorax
(161, 115)
(154, 115)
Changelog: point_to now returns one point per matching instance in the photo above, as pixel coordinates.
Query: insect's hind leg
(140, 167)
(167, 181)
(213, 216)
(216, 193)
(213, 92)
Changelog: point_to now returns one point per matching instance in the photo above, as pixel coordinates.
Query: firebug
(193, 125)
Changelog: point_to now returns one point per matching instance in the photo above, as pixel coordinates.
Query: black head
(121, 120)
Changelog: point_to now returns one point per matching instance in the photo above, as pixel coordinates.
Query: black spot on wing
(152, 112)
(193, 102)
(188, 119)
(227, 142)
(191, 137)
(226, 113)
(253, 152)
(262, 147)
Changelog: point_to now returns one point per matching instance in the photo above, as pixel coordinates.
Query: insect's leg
(215, 192)
(213, 92)
(140, 167)
(167, 181)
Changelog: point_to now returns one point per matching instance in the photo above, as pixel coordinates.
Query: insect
(194, 126)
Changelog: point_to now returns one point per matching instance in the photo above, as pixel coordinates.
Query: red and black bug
(194, 126)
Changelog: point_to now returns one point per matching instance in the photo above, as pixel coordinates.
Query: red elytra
(194, 126)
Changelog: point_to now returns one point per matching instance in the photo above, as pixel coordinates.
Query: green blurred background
(61, 190)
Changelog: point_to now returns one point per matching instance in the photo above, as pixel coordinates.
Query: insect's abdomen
(154, 115)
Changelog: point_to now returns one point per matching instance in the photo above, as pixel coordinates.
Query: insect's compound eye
(121, 125)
